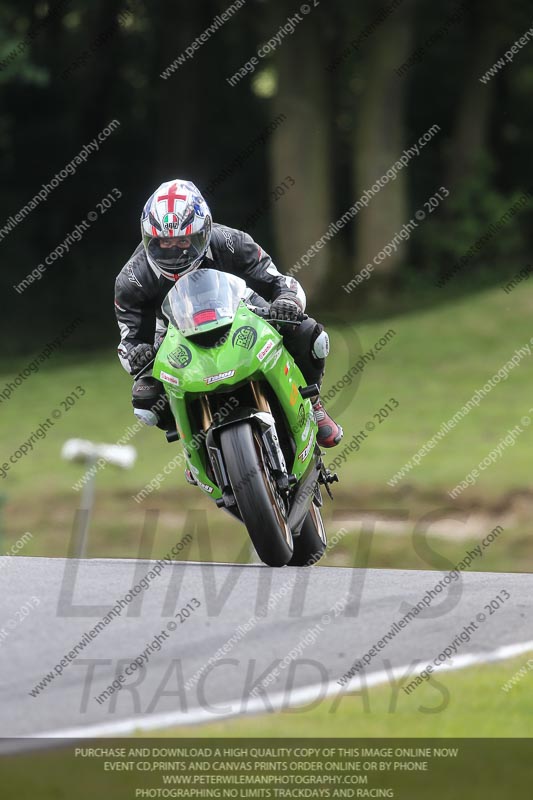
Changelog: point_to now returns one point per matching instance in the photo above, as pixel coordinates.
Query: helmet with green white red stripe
(176, 228)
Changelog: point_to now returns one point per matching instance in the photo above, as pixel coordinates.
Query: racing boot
(329, 433)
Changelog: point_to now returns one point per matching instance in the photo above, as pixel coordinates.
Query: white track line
(278, 702)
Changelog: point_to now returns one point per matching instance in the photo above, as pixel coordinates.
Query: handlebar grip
(260, 311)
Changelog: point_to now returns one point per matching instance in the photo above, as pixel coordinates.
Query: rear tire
(310, 545)
(261, 507)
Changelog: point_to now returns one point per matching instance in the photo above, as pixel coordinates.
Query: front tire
(260, 504)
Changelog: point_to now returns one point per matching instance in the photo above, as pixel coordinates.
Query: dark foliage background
(344, 126)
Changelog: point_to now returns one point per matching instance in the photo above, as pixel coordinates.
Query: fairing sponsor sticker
(169, 378)
(220, 377)
(245, 337)
(305, 452)
(180, 357)
(265, 350)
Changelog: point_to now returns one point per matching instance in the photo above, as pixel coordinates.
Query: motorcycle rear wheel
(310, 545)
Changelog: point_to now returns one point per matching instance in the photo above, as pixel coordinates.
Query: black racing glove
(140, 355)
(286, 307)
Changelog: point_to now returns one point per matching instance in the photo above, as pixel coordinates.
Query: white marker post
(85, 452)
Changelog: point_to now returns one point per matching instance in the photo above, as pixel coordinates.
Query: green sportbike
(244, 415)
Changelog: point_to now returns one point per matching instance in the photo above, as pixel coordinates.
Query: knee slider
(320, 347)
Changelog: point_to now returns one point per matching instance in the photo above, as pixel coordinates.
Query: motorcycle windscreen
(203, 300)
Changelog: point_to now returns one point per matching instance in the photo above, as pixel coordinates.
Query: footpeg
(326, 477)
(313, 390)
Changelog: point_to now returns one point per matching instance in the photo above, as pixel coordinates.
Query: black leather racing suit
(139, 294)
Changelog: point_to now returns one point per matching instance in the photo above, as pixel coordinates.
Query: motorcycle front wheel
(260, 503)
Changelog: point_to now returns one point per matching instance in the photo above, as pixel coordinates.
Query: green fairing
(238, 354)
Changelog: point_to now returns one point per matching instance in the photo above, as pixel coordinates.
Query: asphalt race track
(327, 617)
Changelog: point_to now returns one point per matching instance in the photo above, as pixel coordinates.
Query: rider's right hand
(140, 355)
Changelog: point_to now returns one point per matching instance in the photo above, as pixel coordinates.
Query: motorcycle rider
(179, 236)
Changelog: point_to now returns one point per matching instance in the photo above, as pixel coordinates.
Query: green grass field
(433, 364)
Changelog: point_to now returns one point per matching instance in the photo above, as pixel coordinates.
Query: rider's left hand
(286, 309)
